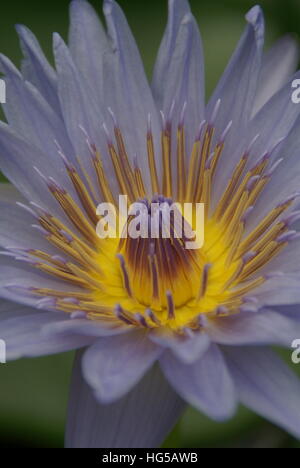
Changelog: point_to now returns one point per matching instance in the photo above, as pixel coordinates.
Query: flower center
(162, 270)
(147, 281)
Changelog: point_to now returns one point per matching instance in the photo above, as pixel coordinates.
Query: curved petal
(87, 34)
(127, 91)
(205, 384)
(252, 328)
(36, 68)
(266, 385)
(237, 86)
(16, 223)
(276, 118)
(9, 310)
(287, 260)
(279, 63)
(179, 70)
(290, 311)
(141, 419)
(86, 327)
(45, 128)
(18, 279)
(187, 349)
(274, 130)
(81, 114)
(280, 290)
(236, 90)
(18, 158)
(285, 180)
(113, 365)
(23, 335)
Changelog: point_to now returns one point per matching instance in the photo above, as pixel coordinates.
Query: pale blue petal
(24, 338)
(17, 278)
(274, 120)
(266, 385)
(236, 90)
(87, 34)
(238, 84)
(127, 91)
(36, 68)
(287, 260)
(290, 311)
(286, 179)
(179, 70)
(141, 419)
(16, 229)
(87, 327)
(18, 158)
(45, 128)
(205, 384)
(280, 290)
(81, 114)
(113, 365)
(252, 328)
(278, 64)
(9, 310)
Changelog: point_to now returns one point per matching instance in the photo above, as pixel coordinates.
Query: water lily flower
(156, 325)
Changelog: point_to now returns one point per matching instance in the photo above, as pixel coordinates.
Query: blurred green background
(33, 393)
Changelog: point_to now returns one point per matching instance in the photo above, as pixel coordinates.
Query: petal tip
(255, 15)
(255, 18)
(108, 7)
(57, 40)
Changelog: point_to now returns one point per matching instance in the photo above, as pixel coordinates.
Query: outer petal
(23, 337)
(253, 328)
(18, 157)
(141, 419)
(266, 385)
(16, 229)
(287, 261)
(16, 224)
(36, 68)
(205, 384)
(112, 366)
(86, 327)
(17, 280)
(290, 311)
(19, 237)
(10, 310)
(238, 84)
(280, 290)
(274, 120)
(236, 90)
(279, 63)
(79, 108)
(127, 91)
(285, 180)
(44, 127)
(179, 69)
(87, 34)
(274, 130)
